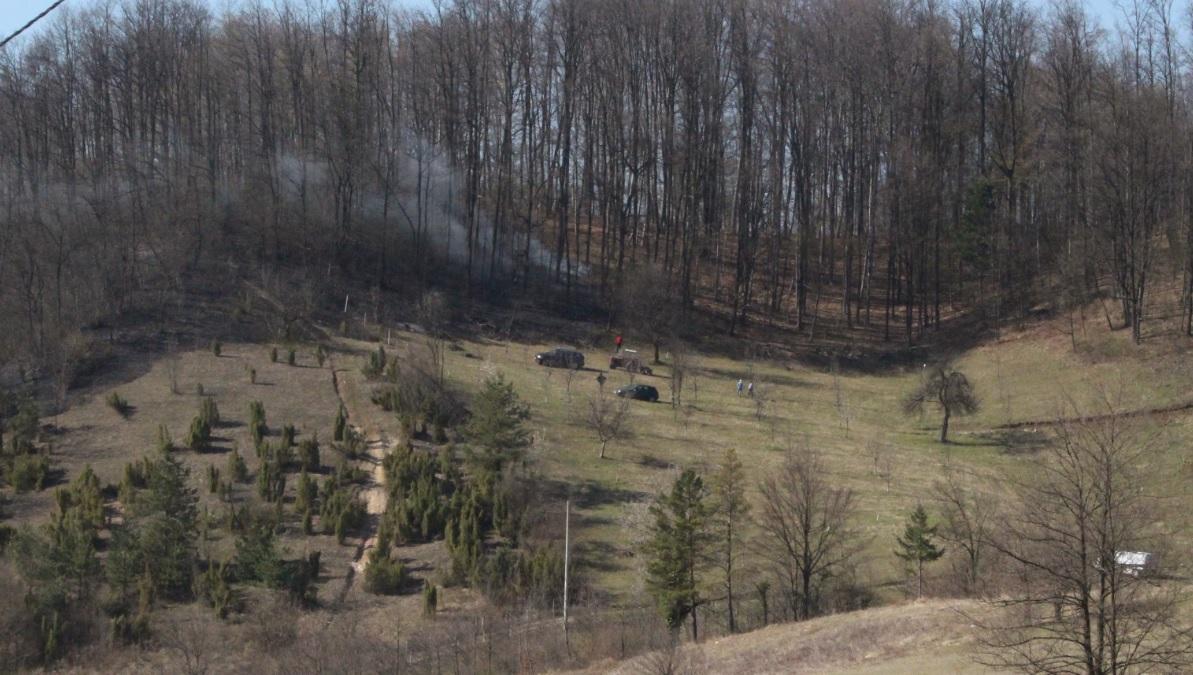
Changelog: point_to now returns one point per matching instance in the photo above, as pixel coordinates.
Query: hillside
(929, 638)
(851, 415)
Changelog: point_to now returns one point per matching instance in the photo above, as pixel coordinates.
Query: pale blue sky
(14, 13)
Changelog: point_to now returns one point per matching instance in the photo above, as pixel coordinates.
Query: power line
(32, 21)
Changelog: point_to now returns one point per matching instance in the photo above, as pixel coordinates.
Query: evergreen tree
(341, 424)
(238, 470)
(729, 521)
(677, 548)
(495, 432)
(167, 513)
(917, 545)
(257, 557)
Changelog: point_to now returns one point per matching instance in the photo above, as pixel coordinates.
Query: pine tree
(495, 432)
(917, 545)
(679, 542)
(341, 425)
(238, 470)
(729, 521)
(166, 533)
(430, 600)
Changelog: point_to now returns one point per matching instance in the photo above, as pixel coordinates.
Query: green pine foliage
(417, 509)
(383, 575)
(340, 510)
(677, 548)
(508, 576)
(341, 424)
(23, 428)
(917, 546)
(161, 536)
(165, 442)
(374, 365)
(257, 428)
(209, 411)
(306, 493)
(289, 433)
(271, 482)
(257, 557)
(237, 469)
(29, 472)
(308, 453)
(216, 590)
(496, 433)
(118, 403)
(199, 435)
(430, 600)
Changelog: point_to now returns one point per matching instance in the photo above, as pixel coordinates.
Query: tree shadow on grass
(590, 494)
(599, 556)
(1017, 441)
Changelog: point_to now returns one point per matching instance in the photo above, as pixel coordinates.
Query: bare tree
(839, 401)
(967, 523)
(879, 452)
(608, 417)
(805, 518)
(681, 363)
(1083, 604)
(648, 303)
(947, 388)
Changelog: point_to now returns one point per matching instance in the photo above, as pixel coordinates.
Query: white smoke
(439, 215)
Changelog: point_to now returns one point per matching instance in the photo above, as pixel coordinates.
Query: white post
(567, 518)
(345, 303)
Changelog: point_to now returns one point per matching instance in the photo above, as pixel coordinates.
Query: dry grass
(1023, 375)
(922, 637)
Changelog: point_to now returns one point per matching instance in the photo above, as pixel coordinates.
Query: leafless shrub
(882, 464)
(1079, 605)
(608, 417)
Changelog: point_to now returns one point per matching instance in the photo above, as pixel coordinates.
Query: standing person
(617, 341)
(739, 386)
(751, 390)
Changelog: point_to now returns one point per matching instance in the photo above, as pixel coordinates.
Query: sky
(14, 13)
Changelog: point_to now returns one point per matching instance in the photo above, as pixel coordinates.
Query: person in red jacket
(617, 341)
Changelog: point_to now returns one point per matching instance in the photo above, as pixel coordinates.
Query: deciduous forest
(877, 164)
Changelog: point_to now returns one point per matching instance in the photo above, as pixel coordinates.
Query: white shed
(1135, 563)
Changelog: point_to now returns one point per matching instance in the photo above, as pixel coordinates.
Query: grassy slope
(1021, 376)
(922, 638)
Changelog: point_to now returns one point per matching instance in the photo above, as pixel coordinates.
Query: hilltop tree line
(872, 163)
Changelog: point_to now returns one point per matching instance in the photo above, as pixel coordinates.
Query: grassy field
(851, 417)
(1021, 377)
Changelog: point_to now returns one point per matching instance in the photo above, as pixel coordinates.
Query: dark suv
(639, 392)
(561, 357)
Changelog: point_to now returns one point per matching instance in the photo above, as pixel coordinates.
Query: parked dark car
(561, 357)
(639, 392)
(631, 361)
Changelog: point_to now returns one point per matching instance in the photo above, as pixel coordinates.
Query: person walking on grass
(739, 386)
(617, 342)
(751, 390)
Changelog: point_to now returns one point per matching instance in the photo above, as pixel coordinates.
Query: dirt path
(374, 495)
(377, 445)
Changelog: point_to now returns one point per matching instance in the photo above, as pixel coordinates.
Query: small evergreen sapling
(917, 546)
